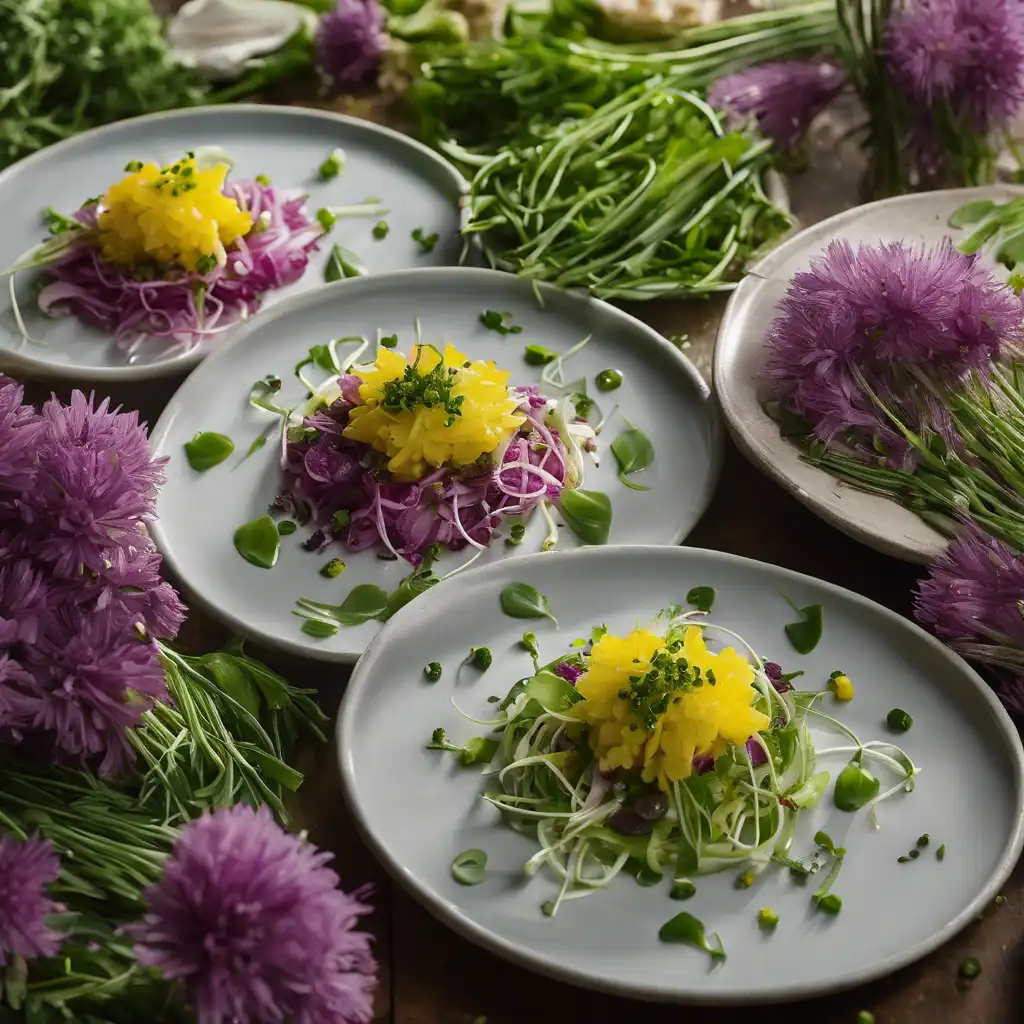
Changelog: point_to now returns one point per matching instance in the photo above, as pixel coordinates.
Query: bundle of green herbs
(69, 65)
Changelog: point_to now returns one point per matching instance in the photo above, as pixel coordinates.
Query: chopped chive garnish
(914, 854)
(326, 218)
(923, 840)
(865, 1017)
(516, 534)
(745, 881)
(260, 179)
(684, 889)
(381, 229)
(940, 853)
(340, 520)
(335, 567)
(608, 380)
(538, 355)
(133, 166)
(333, 165)
(433, 671)
(767, 918)
(286, 527)
(830, 904)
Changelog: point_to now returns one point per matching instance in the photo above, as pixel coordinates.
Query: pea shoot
(433, 671)
(683, 889)
(855, 787)
(940, 853)
(830, 904)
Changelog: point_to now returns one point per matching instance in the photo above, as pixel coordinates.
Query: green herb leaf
(971, 213)
(259, 542)
(538, 355)
(687, 929)
(426, 242)
(521, 601)
(587, 513)
(499, 322)
(634, 452)
(478, 750)
(343, 263)
(411, 587)
(364, 602)
(855, 787)
(805, 634)
(207, 450)
(468, 867)
(702, 598)
(319, 628)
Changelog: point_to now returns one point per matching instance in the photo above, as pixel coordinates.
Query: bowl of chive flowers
(171, 257)
(409, 454)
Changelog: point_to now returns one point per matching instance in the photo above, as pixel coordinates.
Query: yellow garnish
(697, 720)
(841, 686)
(448, 432)
(177, 214)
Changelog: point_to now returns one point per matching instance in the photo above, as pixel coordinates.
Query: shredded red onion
(332, 473)
(188, 307)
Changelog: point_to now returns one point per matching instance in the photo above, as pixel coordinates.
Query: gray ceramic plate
(418, 809)
(287, 144)
(662, 394)
(741, 354)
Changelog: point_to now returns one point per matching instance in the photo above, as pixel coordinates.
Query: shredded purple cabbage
(188, 307)
(330, 473)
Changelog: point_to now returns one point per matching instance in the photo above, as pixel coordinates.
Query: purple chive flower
(92, 681)
(26, 868)
(253, 923)
(972, 598)
(774, 674)
(349, 43)
(870, 318)
(568, 671)
(784, 97)
(968, 54)
(20, 431)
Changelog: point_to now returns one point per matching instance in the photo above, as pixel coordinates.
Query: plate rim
(921, 552)
(449, 914)
(27, 365)
(393, 279)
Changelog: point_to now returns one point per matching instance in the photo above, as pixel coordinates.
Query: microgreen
(468, 867)
(806, 632)
(634, 453)
(500, 323)
(261, 394)
(587, 513)
(478, 749)
(207, 450)
(516, 533)
(258, 542)
(416, 388)
(424, 241)
(521, 601)
(685, 928)
(343, 263)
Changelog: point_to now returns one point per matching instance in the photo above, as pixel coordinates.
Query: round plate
(418, 809)
(287, 144)
(741, 355)
(662, 394)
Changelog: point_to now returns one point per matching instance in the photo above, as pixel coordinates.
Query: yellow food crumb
(842, 687)
(421, 438)
(172, 215)
(697, 720)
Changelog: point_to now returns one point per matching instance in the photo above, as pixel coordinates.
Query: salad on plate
(410, 454)
(669, 753)
(175, 254)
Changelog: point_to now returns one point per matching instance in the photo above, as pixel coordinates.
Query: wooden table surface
(429, 975)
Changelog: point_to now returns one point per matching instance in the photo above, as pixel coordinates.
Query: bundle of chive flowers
(972, 599)
(898, 371)
(81, 598)
(940, 81)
